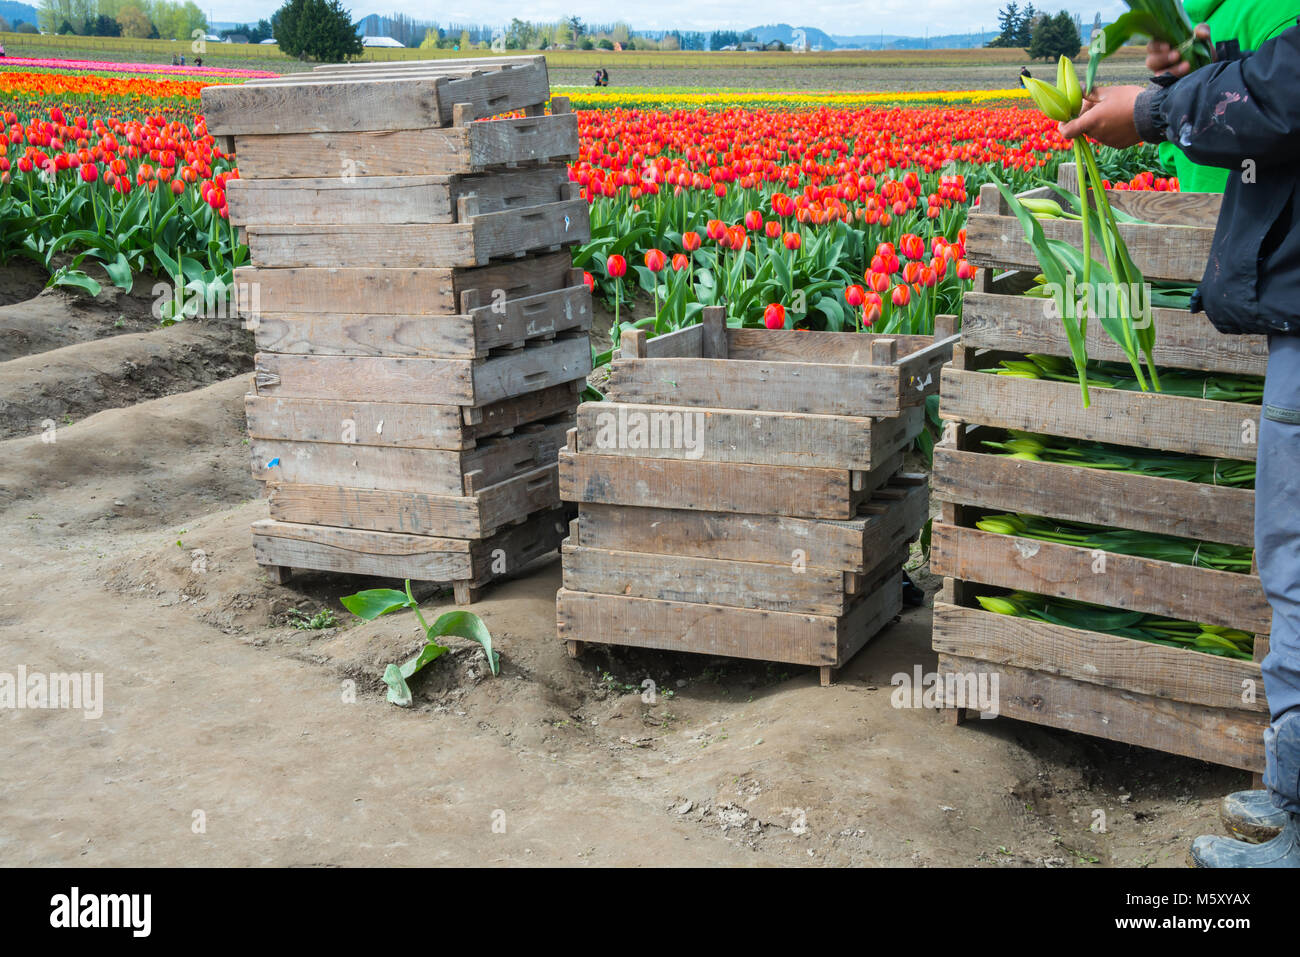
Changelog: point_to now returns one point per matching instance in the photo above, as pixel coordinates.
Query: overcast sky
(905, 17)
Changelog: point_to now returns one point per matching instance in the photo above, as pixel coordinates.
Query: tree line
(1041, 35)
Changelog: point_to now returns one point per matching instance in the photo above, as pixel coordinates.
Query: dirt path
(124, 550)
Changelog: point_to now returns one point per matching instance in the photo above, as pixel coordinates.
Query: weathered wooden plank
(464, 243)
(892, 517)
(417, 557)
(761, 438)
(389, 199)
(470, 382)
(417, 513)
(1232, 738)
(682, 343)
(817, 640)
(1183, 341)
(457, 149)
(1153, 206)
(717, 486)
(816, 388)
(831, 348)
(397, 424)
(1184, 592)
(436, 471)
(415, 292)
(1111, 661)
(1100, 497)
(789, 588)
(389, 102)
(1166, 252)
(1144, 420)
(470, 334)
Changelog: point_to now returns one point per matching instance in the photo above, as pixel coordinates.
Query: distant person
(182, 59)
(595, 78)
(604, 77)
(1024, 71)
(174, 61)
(198, 61)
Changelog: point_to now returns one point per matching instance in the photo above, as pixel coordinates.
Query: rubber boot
(1251, 816)
(1282, 851)
(913, 596)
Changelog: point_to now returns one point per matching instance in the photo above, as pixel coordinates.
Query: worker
(1249, 23)
(1241, 114)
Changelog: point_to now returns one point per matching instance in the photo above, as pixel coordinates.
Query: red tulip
(965, 270)
(855, 295)
(616, 266)
(680, 262)
(792, 241)
(774, 316)
(773, 229)
(89, 172)
(589, 281)
(690, 241)
(902, 295)
(655, 260)
(753, 220)
(717, 230)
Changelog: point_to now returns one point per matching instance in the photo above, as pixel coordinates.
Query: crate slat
(466, 243)
(1096, 496)
(894, 516)
(469, 382)
(1021, 324)
(760, 438)
(1145, 420)
(1230, 599)
(417, 513)
(402, 292)
(1220, 736)
(468, 149)
(389, 199)
(1111, 661)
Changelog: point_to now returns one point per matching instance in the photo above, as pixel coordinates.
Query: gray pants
(1277, 549)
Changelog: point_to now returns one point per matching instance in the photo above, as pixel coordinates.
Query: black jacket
(1242, 113)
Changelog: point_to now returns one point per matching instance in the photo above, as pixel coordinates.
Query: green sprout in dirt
(325, 618)
(374, 602)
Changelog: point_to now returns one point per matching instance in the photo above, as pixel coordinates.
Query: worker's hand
(1163, 58)
(1107, 117)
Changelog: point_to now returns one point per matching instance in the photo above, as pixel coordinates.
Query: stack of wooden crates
(422, 335)
(742, 494)
(1166, 698)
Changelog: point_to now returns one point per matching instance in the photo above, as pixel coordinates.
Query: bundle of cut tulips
(1210, 639)
(1219, 387)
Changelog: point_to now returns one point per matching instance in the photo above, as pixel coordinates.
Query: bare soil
(230, 737)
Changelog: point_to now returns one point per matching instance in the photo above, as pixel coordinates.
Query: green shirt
(1251, 23)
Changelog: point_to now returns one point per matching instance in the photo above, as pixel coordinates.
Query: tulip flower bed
(1122, 531)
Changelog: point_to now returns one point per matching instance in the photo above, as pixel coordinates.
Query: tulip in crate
(1098, 559)
(741, 492)
(422, 334)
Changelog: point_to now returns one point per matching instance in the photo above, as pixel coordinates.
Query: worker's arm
(1245, 108)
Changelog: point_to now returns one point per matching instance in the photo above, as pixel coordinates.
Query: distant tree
(4, 25)
(1029, 19)
(576, 26)
(104, 26)
(1054, 37)
(317, 30)
(1008, 26)
(26, 27)
(65, 28)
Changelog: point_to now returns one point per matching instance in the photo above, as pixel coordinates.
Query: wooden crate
(467, 564)
(423, 97)
(745, 520)
(1173, 243)
(817, 373)
(1171, 699)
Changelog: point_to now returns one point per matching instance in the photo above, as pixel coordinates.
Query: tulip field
(830, 211)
